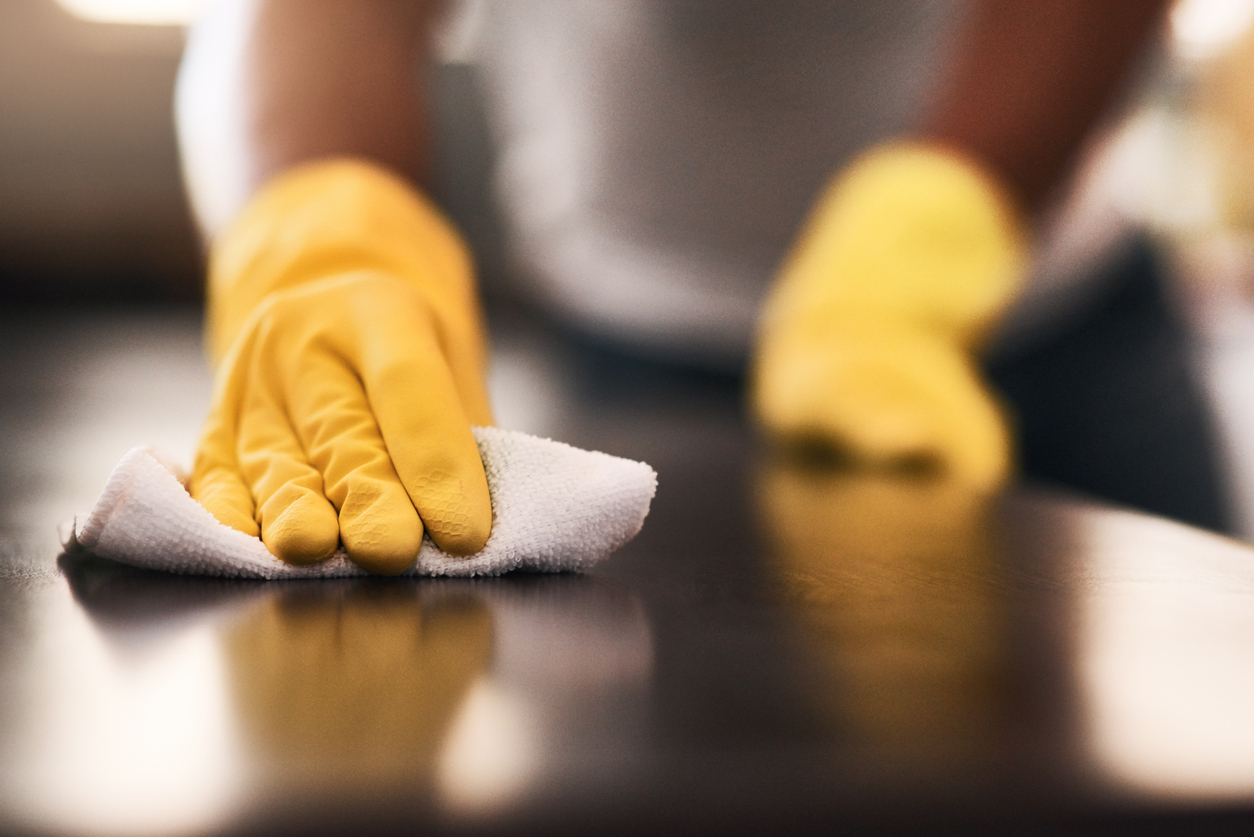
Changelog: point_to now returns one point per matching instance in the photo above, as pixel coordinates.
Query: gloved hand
(866, 342)
(350, 350)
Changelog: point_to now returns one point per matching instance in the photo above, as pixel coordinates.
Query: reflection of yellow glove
(343, 317)
(894, 582)
(865, 343)
(354, 689)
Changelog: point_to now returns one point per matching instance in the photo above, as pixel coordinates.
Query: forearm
(1030, 79)
(269, 84)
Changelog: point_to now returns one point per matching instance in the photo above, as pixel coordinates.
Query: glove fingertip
(382, 532)
(452, 497)
(230, 515)
(305, 531)
(226, 497)
(461, 532)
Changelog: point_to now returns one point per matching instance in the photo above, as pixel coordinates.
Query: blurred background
(91, 202)
(92, 208)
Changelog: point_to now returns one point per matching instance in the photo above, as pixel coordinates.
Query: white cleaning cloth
(554, 508)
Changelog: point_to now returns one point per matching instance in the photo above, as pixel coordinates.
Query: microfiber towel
(555, 508)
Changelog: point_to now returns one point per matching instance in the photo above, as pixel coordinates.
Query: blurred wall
(91, 204)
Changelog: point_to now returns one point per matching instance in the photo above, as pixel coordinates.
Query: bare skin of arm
(1030, 79)
(268, 84)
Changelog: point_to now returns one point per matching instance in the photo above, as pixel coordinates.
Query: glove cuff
(908, 232)
(337, 216)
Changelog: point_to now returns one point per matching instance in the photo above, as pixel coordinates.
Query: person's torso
(657, 157)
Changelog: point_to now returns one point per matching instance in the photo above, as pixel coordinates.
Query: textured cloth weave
(555, 508)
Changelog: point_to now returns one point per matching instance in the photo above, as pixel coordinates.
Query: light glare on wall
(149, 12)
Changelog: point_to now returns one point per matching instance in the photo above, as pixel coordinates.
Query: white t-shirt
(657, 157)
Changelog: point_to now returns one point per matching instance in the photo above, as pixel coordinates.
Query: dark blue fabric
(1111, 404)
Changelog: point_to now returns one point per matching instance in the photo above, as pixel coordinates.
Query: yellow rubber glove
(350, 350)
(866, 342)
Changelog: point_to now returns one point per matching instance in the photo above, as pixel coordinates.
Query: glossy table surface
(783, 646)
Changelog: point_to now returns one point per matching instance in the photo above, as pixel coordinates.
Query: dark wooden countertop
(782, 648)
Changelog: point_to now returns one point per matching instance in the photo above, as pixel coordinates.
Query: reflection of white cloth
(658, 156)
(555, 508)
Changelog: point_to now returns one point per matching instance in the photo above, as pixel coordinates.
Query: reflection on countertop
(246, 701)
(779, 646)
(906, 621)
